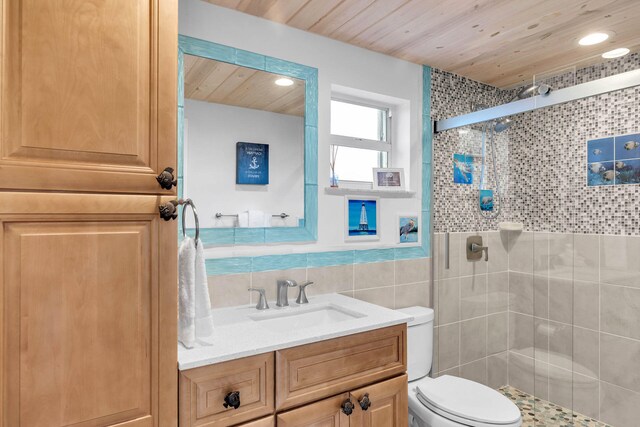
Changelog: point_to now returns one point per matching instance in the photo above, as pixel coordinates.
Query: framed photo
(408, 227)
(391, 179)
(361, 218)
(252, 163)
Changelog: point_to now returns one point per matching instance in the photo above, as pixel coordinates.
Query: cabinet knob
(169, 210)
(232, 400)
(347, 407)
(166, 179)
(364, 402)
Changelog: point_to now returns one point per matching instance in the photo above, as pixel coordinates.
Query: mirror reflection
(243, 145)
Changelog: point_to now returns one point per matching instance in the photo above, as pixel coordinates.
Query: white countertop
(238, 331)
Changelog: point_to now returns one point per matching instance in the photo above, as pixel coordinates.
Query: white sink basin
(298, 317)
(244, 331)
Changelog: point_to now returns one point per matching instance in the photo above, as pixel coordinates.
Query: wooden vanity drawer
(203, 390)
(315, 371)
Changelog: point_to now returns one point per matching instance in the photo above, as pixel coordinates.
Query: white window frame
(364, 143)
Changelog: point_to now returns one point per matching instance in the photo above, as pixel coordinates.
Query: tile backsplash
(392, 284)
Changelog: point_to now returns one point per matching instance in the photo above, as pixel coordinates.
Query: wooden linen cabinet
(88, 293)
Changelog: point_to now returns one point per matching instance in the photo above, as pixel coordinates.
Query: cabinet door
(389, 404)
(88, 94)
(87, 312)
(325, 413)
(262, 422)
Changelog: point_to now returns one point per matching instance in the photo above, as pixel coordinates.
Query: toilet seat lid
(467, 400)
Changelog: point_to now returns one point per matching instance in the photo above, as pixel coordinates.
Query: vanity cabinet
(306, 385)
(88, 94)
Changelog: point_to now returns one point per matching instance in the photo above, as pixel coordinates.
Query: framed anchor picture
(252, 163)
(362, 218)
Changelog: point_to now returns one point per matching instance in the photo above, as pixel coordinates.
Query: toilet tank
(419, 341)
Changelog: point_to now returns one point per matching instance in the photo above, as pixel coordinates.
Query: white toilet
(448, 401)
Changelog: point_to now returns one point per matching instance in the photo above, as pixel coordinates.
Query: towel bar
(280, 215)
(169, 211)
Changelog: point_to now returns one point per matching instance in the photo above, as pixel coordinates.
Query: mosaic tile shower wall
(455, 205)
(541, 159)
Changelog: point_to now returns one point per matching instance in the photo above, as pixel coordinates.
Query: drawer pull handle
(347, 407)
(232, 400)
(166, 179)
(169, 210)
(364, 402)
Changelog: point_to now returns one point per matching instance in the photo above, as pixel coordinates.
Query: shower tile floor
(546, 414)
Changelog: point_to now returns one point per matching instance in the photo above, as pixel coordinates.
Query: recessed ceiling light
(283, 81)
(616, 53)
(593, 38)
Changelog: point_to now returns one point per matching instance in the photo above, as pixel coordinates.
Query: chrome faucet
(283, 289)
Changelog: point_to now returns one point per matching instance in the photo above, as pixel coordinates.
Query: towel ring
(185, 203)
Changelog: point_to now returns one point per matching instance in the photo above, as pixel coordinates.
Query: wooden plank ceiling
(499, 42)
(223, 83)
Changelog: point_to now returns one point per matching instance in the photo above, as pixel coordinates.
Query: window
(360, 139)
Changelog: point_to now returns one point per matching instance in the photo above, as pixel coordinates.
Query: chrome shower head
(502, 124)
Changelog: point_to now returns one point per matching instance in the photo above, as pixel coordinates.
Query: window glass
(356, 164)
(358, 121)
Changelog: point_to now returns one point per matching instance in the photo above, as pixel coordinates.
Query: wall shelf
(340, 191)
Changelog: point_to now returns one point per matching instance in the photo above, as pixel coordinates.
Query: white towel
(259, 219)
(243, 219)
(195, 321)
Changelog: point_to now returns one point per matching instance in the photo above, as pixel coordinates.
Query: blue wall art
(462, 169)
(362, 217)
(486, 200)
(252, 163)
(613, 160)
(408, 229)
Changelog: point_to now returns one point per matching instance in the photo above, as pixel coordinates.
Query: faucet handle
(289, 283)
(302, 294)
(262, 302)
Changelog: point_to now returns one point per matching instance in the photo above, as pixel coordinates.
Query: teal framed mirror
(307, 228)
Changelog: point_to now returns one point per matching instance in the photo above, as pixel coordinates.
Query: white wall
(338, 64)
(210, 168)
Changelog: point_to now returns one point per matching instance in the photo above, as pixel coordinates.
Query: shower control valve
(475, 249)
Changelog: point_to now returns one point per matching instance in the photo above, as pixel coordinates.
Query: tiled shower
(554, 313)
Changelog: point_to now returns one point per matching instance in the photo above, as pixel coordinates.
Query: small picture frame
(361, 218)
(389, 179)
(408, 229)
